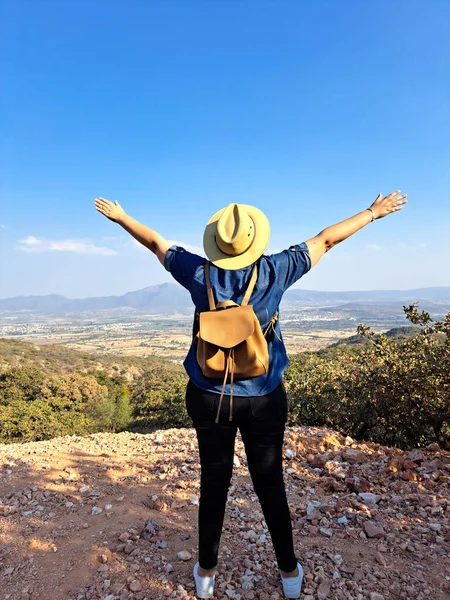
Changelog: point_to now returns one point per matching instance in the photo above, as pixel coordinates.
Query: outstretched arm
(334, 234)
(146, 236)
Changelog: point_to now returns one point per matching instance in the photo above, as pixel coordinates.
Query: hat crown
(236, 236)
(235, 230)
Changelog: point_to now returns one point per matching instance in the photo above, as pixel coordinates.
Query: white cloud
(2, 226)
(411, 247)
(374, 247)
(195, 249)
(189, 247)
(34, 244)
(112, 238)
(136, 245)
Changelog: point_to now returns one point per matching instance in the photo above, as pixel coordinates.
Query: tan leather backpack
(230, 341)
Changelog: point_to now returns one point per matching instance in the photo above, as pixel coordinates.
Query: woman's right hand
(389, 204)
(113, 211)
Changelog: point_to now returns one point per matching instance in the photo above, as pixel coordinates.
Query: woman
(234, 241)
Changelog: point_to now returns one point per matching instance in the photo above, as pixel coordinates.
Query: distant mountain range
(168, 298)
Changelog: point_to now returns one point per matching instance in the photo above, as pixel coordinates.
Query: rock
(332, 440)
(409, 476)
(103, 568)
(416, 455)
(252, 535)
(320, 460)
(367, 497)
(326, 532)
(431, 466)
(312, 513)
(342, 520)
(434, 447)
(376, 596)
(150, 528)
(184, 555)
(364, 485)
(324, 589)
(96, 510)
(373, 529)
(353, 456)
(335, 468)
(352, 483)
(156, 503)
(410, 465)
(135, 586)
(395, 465)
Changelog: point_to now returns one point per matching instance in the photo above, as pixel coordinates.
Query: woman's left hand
(113, 211)
(391, 203)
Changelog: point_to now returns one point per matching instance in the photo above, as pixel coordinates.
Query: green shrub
(394, 392)
(25, 421)
(36, 406)
(158, 398)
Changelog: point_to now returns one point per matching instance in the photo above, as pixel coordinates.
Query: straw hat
(236, 236)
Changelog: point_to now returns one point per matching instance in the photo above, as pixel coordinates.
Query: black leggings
(261, 421)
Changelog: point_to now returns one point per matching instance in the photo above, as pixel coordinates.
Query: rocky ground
(114, 516)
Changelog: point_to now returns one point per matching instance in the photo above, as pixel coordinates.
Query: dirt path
(370, 523)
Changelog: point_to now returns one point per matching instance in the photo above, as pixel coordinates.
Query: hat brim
(255, 250)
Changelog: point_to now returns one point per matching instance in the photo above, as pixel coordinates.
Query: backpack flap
(227, 328)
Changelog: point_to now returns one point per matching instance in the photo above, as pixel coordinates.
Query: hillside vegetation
(392, 389)
(48, 391)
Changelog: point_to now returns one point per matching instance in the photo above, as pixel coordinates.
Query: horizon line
(165, 283)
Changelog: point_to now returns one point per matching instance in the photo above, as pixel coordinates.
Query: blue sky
(304, 109)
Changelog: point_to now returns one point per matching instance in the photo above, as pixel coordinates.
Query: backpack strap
(248, 293)
(251, 285)
(212, 304)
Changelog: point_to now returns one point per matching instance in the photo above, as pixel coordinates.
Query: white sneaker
(205, 585)
(292, 585)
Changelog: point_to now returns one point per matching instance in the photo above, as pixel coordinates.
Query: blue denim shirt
(276, 273)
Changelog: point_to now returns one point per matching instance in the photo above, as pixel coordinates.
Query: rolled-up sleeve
(182, 265)
(291, 264)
